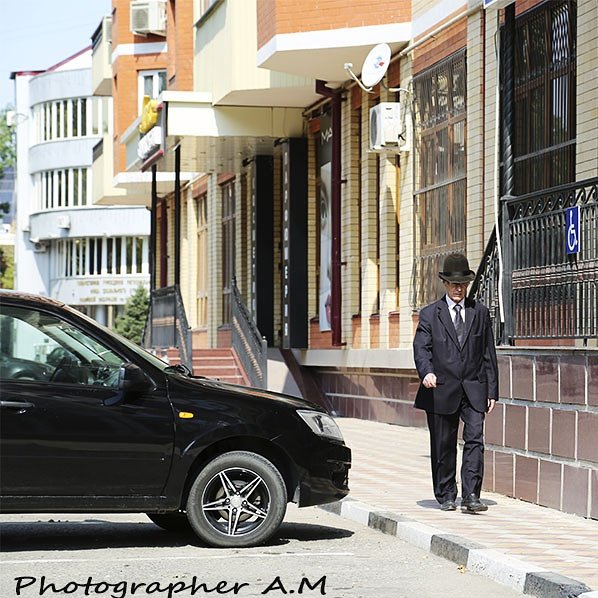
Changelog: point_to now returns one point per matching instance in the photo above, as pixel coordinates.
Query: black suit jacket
(471, 370)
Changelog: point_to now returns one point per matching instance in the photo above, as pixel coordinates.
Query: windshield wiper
(178, 368)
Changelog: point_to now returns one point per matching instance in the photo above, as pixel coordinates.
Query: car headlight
(321, 424)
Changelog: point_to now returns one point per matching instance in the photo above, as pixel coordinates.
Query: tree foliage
(7, 267)
(132, 322)
(7, 143)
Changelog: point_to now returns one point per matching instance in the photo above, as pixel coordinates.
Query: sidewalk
(533, 549)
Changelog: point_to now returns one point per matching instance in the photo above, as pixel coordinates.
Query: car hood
(236, 390)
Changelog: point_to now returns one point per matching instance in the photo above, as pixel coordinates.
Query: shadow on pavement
(93, 534)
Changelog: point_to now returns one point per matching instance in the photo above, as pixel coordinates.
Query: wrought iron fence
(250, 345)
(167, 323)
(548, 292)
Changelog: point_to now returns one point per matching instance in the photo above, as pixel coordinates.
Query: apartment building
(90, 257)
(291, 198)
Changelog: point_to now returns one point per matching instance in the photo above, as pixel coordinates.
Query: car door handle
(21, 405)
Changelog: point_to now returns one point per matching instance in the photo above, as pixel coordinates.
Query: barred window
(544, 87)
(440, 196)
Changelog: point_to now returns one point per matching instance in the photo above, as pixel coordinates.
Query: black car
(101, 425)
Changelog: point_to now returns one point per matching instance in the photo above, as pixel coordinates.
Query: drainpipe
(335, 96)
(177, 215)
(153, 231)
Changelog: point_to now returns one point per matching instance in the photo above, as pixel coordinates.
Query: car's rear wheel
(238, 499)
(172, 522)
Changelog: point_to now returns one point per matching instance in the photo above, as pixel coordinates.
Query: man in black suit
(455, 358)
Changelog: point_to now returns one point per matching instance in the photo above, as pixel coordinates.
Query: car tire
(239, 499)
(171, 522)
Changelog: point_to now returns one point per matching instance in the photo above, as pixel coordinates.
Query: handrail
(250, 345)
(167, 323)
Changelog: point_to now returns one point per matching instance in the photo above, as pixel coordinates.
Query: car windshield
(140, 351)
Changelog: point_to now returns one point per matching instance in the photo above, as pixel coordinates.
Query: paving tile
(391, 472)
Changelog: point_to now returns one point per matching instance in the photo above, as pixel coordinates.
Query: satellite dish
(375, 65)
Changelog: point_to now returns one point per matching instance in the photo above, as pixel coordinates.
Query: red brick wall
(289, 16)
(446, 43)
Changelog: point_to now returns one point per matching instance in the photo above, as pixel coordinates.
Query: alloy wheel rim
(236, 501)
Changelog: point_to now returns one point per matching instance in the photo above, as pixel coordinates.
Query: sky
(36, 34)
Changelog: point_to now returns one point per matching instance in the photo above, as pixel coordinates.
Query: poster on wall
(325, 161)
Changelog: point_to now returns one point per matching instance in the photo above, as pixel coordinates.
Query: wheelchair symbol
(572, 230)
(572, 237)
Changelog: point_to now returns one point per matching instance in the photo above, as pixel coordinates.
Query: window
(544, 86)
(65, 188)
(43, 348)
(64, 119)
(201, 209)
(102, 255)
(152, 84)
(440, 197)
(228, 248)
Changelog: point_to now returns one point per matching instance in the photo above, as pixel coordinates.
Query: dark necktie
(458, 323)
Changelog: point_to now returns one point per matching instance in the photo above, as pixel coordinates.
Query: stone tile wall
(541, 440)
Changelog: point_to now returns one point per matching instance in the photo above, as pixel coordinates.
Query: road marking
(180, 558)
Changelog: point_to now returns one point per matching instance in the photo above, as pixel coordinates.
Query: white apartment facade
(89, 256)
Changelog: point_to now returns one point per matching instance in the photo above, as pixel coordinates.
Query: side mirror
(133, 379)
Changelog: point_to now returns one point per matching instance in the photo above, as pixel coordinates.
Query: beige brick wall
(214, 259)
(188, 276)
(407, 234)
(479, 204)
(587, 89)
(351, 123)
(388, 235)
(369, 216)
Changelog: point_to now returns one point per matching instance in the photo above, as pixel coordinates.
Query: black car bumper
(327, 477)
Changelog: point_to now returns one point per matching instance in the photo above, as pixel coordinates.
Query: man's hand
(429, 381)
(491, 403)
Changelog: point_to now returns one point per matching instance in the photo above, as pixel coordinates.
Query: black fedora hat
(456, 269)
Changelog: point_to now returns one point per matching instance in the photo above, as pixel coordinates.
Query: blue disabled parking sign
(572, 230)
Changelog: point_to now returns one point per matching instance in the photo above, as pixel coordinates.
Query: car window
(39, 346)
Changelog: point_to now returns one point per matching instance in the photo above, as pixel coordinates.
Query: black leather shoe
(472, 504)
(448, 505)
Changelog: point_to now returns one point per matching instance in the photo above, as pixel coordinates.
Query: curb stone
(504, 569)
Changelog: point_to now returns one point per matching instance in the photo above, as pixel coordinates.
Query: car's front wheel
(238, 499)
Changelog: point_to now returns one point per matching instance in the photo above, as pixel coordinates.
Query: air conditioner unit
(40, 247)
(148, 16)
(64, 222)
(386, 128)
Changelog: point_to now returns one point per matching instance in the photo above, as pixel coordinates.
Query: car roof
(29, 297)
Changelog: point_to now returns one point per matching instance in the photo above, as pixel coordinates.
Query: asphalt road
(315, 553)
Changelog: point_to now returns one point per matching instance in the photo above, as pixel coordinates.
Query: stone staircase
(220, 364)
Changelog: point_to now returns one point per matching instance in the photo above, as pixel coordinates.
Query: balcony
(101, 68)
(311, 40)
(225, 62)
(219, 138)
(86, 222)
(103, 192)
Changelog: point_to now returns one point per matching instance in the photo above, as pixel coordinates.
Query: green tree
(7, 142)
(7, 267)
(132, 322)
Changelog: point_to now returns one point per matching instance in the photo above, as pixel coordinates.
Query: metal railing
(547, 292)
(167, 323)
(250, 345)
